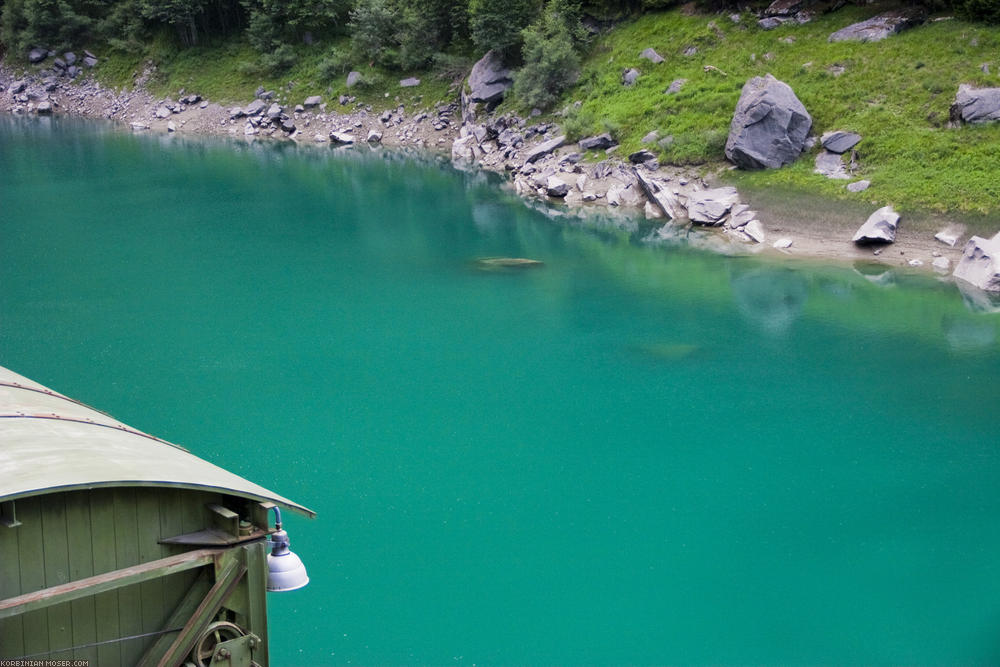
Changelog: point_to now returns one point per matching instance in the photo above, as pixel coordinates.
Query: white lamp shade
(285, 572)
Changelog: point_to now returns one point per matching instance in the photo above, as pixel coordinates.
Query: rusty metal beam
(100, 583)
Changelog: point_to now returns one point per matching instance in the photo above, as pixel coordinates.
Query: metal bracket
(236, 652)
(7, 515)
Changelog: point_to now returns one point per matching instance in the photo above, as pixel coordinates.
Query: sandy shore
(816, 228)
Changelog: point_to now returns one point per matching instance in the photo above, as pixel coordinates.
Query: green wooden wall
(72, 535)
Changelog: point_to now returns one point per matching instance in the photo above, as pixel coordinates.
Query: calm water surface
(633, 455)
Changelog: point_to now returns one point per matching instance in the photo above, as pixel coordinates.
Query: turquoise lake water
(632, 455)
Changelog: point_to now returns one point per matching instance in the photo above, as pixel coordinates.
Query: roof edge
(283, 502)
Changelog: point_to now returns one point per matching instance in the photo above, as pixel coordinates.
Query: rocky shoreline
(539, 161)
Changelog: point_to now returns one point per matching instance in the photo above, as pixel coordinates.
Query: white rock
(320, 138)
(880, 227)
(980, 263)
(916, 262)
(950, 235)
(781, 244)
(754, 230)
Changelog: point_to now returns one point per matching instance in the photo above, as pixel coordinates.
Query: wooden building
(123, 549)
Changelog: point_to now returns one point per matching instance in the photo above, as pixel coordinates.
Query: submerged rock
(880, 227)
(769, 127)
(980, 263)
(502, 263)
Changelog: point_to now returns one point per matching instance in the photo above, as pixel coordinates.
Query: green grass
(228, 72)
(895, 93)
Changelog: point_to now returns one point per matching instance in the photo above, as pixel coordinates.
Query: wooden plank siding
(69, 536)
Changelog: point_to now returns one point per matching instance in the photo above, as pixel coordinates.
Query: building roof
(51, 443)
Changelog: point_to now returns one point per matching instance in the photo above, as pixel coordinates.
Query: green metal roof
(50, 443)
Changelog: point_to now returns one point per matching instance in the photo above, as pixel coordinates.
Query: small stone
(950, 235)
(630, 76)
(675, 86)
(781, 244)
(599, 142)
(839, 141)
(652, 56)
(650, 138)
(353, 78)
(858, 186)
(162, 112)
(690, 51)
(44, 108)
(312, 101)
(409, 82)
(915, 262)
(374, 137)
(941, 264)
(640, 157)
(171, 127)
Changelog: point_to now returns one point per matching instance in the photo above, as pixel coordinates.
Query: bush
(334, 63)
(551, 64)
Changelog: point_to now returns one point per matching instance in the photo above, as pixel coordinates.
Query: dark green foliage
(987, 11)
(404, 35)
(551, 63)
(53, 23)
(497, 24)
(274, 23)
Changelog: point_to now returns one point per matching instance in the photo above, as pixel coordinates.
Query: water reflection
(770, 298)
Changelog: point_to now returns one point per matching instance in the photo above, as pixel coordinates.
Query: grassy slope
(895, 93)
(223, 72)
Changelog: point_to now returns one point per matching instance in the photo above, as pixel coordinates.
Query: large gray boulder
(256, 107)
(709, 207)
(980, 263)
(353, 78)
(543, 149)
(879, 27)
(489, 79)
(976, 105)
(599, 142)
(880, 227)
(769, 127)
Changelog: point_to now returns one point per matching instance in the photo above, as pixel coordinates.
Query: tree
(497, 24)
(551, 63)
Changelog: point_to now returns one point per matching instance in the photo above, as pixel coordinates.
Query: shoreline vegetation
(895, 94)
